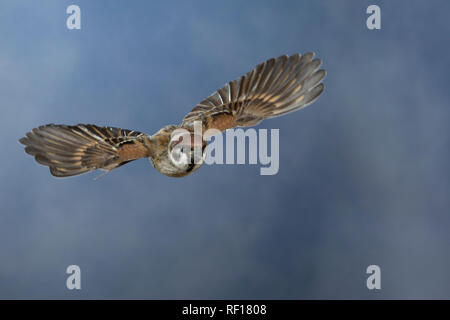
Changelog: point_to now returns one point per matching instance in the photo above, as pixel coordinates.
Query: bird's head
(182, 154)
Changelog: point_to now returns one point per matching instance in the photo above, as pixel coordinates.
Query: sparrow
(273, 88)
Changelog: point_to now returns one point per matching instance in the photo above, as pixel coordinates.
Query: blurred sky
(364, 171)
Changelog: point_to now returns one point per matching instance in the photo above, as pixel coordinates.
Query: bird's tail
(72, 150)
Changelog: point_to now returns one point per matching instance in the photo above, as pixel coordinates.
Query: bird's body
(273, 88)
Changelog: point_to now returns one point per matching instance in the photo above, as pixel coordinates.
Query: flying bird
(273, 88)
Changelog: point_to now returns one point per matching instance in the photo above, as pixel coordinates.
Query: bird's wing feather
(273, 88)
(72, 150)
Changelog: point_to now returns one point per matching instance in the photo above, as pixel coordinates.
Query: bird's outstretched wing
(273, 88)
(72, 150)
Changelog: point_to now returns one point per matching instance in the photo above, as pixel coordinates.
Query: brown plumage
(71, 150)
(273, 88)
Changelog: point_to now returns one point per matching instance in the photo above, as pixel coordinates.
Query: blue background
(364, 172)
